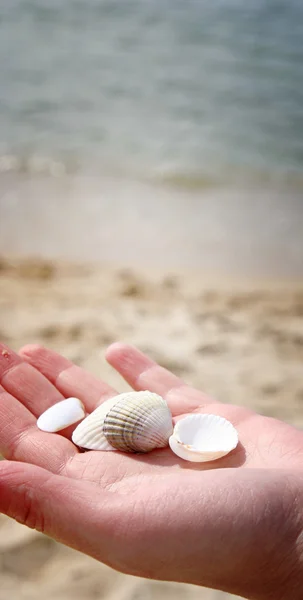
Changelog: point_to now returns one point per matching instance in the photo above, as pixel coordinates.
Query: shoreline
(246, 234)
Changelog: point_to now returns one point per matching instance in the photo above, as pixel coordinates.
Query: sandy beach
(239, 343)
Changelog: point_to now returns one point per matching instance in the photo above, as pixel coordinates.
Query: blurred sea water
(176, 125)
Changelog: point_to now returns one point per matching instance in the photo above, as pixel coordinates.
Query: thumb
(72, 512)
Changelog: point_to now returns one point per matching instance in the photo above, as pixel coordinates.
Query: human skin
(234, 524)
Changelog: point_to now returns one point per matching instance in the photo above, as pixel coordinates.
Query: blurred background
(172, 122)
(151, 190)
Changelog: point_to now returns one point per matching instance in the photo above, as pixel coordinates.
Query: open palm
(235, 524)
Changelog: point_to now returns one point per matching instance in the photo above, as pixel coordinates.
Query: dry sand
(242, 344)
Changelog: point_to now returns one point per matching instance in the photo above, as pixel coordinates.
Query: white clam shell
(130, 422)
(203, 438)
(61, 415)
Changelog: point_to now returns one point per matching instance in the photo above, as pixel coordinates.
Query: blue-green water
(186, 95)
(159, 87)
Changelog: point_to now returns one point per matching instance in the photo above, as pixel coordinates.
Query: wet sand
(242, 343)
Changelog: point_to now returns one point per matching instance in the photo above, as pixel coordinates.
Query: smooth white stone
(61, 415)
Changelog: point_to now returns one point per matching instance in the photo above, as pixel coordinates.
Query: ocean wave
(227, 176)
(35, 165)
(233, 178)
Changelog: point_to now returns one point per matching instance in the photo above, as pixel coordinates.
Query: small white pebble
(61, 415)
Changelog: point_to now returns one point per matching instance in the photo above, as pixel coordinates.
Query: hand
(235, 524)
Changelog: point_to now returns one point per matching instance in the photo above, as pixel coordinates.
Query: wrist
(281, 576)
(263, 552)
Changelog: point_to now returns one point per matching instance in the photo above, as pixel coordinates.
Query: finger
(21, 380)
(62, 508)
(21, 440)
(68, 378)
(142, 373)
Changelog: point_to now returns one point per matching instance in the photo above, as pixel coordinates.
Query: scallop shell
(203, 437)
(61, 415)
(130, 422)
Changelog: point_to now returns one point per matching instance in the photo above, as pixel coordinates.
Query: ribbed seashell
(130, 422)
(203, 437)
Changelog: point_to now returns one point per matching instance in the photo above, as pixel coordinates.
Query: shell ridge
(131, 422)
